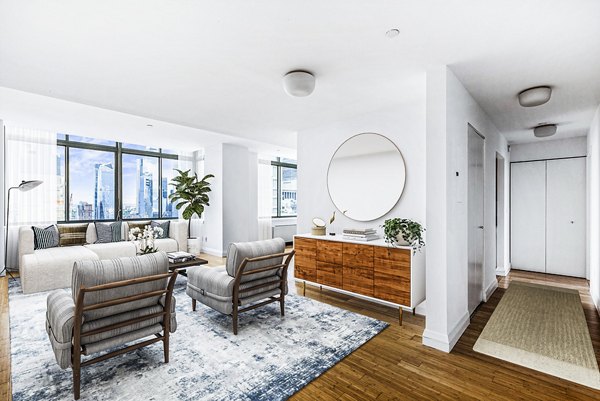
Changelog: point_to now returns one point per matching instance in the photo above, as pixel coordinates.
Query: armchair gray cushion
(214, 287)
(60, 317)
(238, 251)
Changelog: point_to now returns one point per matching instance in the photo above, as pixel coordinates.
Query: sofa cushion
(137, 224)
(72, 234)
(89, 273)
(238, 251)
(51, 268)
(108, 232)
(164, 225)
(44, 238)
(166, 245)
(113, 250)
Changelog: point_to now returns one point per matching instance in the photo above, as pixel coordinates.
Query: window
(91, 184)
(106, 180)
(168, 173)
(60, 184)
(140, 186)
(285, 184)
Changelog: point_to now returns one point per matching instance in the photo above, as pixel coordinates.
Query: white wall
(233, 212)
(593, 208)
(450, 108)
(213, 214)
(3, 192)
(404, 125)
(542, 150)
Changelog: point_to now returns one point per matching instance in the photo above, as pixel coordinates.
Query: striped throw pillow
(138, 224)
(72, 234)
(44, 238)
(164, 225)
(108, 232)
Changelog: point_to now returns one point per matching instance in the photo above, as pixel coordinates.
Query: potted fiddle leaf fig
(191, 195)
(404, 232)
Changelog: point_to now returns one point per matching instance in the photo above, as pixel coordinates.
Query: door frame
(510, 163)
(483, 249)
(500, 190)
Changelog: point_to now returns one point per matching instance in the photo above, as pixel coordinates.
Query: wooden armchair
(112, 302)
(255, 275)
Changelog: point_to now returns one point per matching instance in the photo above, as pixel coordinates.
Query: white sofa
(51, 268)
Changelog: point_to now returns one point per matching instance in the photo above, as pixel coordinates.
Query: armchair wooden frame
(241, 272)
(80, 308)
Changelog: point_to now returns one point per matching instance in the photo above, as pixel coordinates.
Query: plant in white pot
(403, 232)
(190, 194)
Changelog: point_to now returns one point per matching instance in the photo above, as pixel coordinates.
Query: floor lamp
(24, 186)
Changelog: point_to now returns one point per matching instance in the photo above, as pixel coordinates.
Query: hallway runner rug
(542, 328)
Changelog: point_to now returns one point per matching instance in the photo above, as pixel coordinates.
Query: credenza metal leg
(400, 315)
(304, 289)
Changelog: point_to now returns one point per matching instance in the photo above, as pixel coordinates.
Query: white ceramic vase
(194, 245)
(401, 241)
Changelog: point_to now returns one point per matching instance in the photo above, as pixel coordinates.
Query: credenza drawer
(391, 281)
(396, 254)
(329, 252)
(305, 273)
(358, 255)
(359, 280)
(329, 274)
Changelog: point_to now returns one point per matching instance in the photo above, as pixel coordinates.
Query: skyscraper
(144, 188)
(104, 197)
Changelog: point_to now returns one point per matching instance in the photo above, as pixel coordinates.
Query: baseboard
(213, 252)
(502, 270)
(490, 290)
(445, 342)
(596, 301)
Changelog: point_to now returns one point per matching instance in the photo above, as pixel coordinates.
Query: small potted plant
(145, 239)
(404, 232)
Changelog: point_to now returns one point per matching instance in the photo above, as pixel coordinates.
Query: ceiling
(217, 65)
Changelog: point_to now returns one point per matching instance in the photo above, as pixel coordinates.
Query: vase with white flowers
(145, 238)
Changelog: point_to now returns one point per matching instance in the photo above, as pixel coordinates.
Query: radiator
(286, 232)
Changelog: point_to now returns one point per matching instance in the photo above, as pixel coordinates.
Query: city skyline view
(92, 186)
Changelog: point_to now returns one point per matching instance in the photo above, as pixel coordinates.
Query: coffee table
(181, 266)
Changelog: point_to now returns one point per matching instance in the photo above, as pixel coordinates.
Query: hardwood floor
(396, 366)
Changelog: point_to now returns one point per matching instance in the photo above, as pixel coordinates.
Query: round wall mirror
(366, 177)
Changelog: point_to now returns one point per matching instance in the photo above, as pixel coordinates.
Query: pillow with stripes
(108, 232)
(44, 238)
(72, 234)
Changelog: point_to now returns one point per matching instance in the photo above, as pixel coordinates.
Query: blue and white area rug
(270, 359)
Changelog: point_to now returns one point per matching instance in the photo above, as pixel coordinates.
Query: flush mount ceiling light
(392, 33)
(299, 83)
(535, 96)
(544, 130)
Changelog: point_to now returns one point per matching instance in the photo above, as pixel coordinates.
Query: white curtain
(29, 154)
(265, 199)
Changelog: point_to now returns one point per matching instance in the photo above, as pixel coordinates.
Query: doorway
(548, 216)
(476, 143)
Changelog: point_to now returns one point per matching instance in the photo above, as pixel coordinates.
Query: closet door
(528, 216)
(565, 217)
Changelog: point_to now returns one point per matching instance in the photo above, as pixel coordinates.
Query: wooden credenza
(374, 269)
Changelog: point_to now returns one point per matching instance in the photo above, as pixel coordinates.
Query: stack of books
(360, 234)
(178, 257)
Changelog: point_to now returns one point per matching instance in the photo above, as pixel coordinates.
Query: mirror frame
(403, 162)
